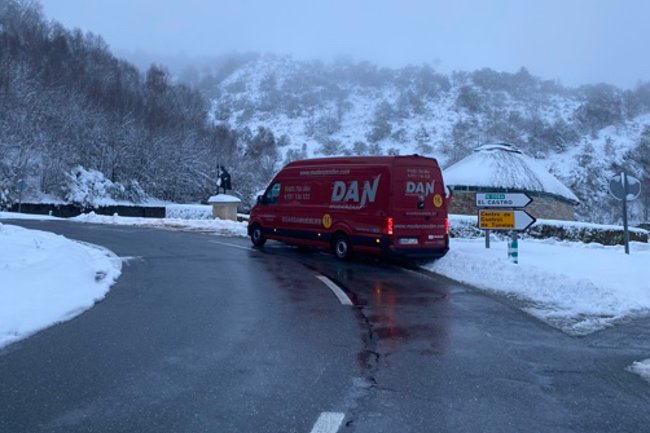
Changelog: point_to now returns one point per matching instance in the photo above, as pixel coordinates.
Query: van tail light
(389, 225)
(447, 226)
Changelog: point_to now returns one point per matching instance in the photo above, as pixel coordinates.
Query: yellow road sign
(504, 219)
(496, 219)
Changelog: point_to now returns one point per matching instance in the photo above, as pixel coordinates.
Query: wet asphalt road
(203, 334)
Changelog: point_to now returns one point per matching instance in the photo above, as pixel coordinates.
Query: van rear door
(419, 206)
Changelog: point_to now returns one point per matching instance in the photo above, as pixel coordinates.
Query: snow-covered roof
(504, 166)
(223, 198)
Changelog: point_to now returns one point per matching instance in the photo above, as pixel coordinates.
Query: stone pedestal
(224, 206)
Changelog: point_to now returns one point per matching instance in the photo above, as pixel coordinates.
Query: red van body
(395, 205)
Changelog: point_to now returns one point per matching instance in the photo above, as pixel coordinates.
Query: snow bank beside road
(578, 288)
(46, 279)
(27, 216)
(189, 211)
(222, 227)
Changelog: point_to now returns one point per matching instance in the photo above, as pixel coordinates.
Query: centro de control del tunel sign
(504, 219)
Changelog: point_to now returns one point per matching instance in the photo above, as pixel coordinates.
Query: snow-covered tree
(590, 178)
(86, 188)
(639, 158)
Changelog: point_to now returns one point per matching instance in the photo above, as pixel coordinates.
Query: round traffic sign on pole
(625, 188)
(618, 190)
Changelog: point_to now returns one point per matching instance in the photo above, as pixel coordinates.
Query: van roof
(369, 160)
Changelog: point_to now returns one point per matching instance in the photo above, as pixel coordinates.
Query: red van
(394, 205)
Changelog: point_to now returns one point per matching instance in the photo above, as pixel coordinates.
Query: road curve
(193, 337)
(203, 333)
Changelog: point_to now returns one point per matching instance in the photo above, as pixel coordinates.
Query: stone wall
(543, 206)
(466, 226)
(551, 208)
(69, 210)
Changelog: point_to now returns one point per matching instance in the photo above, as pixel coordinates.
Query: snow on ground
(642, 368)
(183, 217)
(46, 279)
(576, 287)
(222, 227)
(25, 216)
(189, 211)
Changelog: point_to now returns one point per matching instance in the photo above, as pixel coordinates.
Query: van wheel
(342, 247)
(257, 237)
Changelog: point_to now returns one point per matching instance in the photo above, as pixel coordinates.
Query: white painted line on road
(336, 289)
(328, 422)
(232, 245)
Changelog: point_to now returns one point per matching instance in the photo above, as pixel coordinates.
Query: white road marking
(336, 289)
(232, 245)
(328, 422)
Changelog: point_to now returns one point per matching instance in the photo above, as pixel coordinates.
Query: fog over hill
(583, 135)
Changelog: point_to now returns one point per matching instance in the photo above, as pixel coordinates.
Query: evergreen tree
(590, 183)
(380, 126)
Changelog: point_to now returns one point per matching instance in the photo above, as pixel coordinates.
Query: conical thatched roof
(503, 166)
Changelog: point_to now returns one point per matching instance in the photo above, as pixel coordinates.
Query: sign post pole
(513, 248)
(21, 187)
(487, 239)
(626, 232)
(625, 188)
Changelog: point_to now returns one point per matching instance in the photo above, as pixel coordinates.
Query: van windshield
(272, 194)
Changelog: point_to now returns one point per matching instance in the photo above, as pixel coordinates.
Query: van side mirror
(259, 199)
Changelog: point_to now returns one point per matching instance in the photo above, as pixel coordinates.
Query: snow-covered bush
(130, 191)
(6, 199)
(86, 188)
(90, 188)
(464, 226)
(584, 232)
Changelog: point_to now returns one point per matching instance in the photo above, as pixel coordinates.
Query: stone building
(502, 167)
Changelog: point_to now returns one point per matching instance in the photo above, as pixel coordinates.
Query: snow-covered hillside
(326, 109)
(584, 135)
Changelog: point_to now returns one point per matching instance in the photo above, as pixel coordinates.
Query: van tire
(342, 247)
(257, 236)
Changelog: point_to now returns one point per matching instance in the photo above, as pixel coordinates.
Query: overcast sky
(575, 41)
